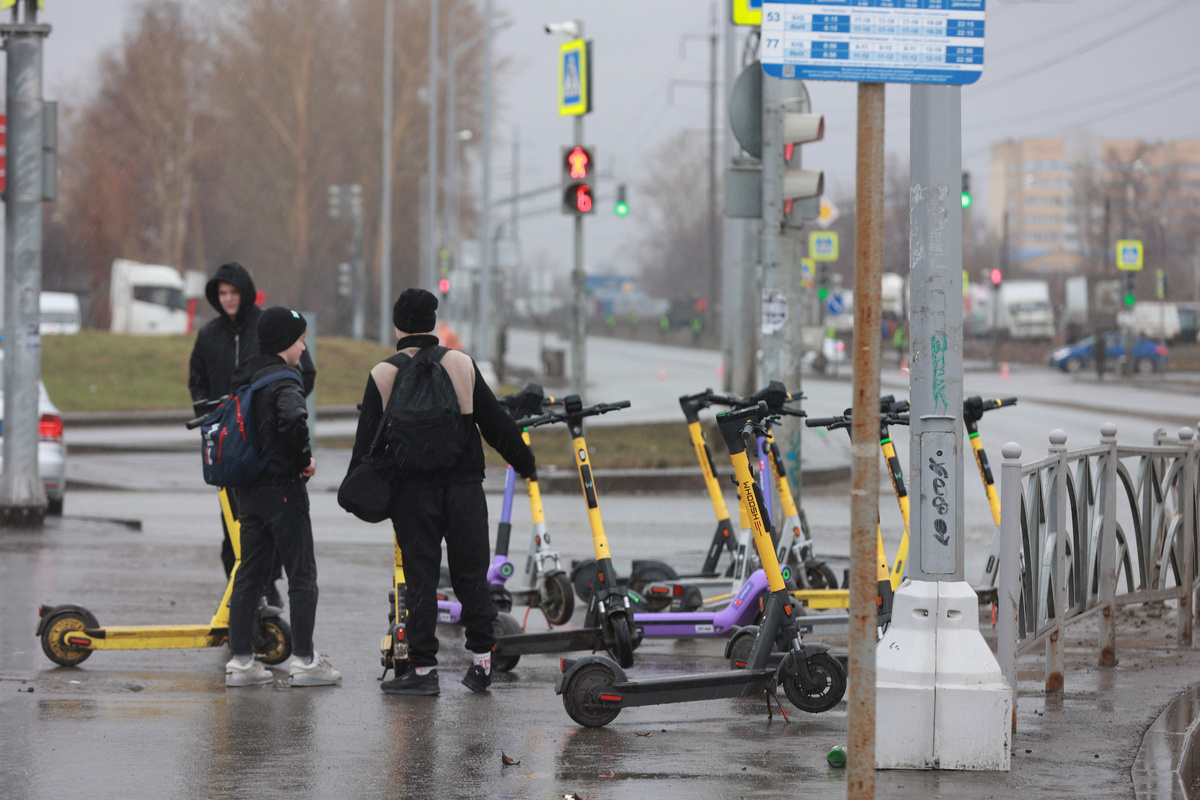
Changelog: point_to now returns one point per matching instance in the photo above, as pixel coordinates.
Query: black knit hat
(415, 311)
(278, 329)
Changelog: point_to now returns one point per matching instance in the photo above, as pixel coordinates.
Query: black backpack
(424, 428)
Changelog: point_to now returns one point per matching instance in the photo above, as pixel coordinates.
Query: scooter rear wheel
(54, 639)
(575, 696)
(558, 598)
(820, 575)
(622, 645)
(830, 677)
(272, 640)
(504, 625)
(640, 583)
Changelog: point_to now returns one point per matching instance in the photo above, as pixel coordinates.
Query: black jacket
(487, 418)
(280, 417)
(225, 342)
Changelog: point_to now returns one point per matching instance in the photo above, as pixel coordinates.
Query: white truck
(58, 312)
(1022, 310)
(147, 299)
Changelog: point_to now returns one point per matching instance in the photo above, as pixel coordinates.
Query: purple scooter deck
(740, 612)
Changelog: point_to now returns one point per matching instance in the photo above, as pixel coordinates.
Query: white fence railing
(1085, 531)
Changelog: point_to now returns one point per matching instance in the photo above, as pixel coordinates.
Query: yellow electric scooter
(70, 633)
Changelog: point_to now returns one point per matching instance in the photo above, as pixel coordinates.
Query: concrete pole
(484, 335)
(386, 334)
(431, 251)
(22, 496)
(936, 389)
(864, 492)
(734, 326)
(714, 258)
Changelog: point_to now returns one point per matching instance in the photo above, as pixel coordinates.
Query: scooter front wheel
(575, 696)
(622, 644)
(54, 643)
(820, 575)
(830, 678)
(272, 640)
(504, 625)
(558, 598)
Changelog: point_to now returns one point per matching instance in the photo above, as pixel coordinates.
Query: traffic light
(345, 280)
(1130, 298)
(966, 193)
(577, 165)
(805, 186)
(621, 209)
(444, 287)
(822, 281)
(996, 276)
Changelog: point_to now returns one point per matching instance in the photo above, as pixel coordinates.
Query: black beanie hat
(415, 311)
(278, 329)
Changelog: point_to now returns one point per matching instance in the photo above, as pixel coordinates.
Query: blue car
(1148, 356)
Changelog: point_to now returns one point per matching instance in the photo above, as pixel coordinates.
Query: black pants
(423, 517)
(228, 559)
(274, 519)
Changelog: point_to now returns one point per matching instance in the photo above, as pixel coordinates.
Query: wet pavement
(162, 724)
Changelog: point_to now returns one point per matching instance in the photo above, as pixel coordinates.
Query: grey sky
(1129, 68)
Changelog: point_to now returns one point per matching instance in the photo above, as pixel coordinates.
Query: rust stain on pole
(864, 494)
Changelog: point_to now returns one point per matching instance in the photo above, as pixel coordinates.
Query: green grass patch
(97, 371)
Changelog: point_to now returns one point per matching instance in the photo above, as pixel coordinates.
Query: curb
(1166, 762)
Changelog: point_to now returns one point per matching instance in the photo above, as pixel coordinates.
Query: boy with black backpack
(432, 405)
(273, 508)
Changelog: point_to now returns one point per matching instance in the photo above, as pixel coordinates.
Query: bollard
(1057, 522)
(1108, 549)
(1008, 596)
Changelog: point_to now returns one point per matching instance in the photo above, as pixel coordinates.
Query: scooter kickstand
(769, 692)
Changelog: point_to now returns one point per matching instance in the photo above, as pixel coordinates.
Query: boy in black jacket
(449, 504)
(273, 513)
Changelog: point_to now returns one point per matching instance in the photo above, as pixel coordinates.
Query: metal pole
(1008, 606)
(484, 334)
(22, 496)
(936, 376)
(864, 492)
(714, 261)
(431, 254)
(360, 264)
(450, 194)
(734, 327)
(579, 287)
(385, 200)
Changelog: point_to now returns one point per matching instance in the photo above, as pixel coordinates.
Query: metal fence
(1086, 531)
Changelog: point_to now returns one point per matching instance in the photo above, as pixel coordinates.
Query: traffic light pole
(579, 287)
(22, 496)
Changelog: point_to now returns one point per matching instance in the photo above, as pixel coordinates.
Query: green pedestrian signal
(1130, 300)
(966, 190)
(823, 293)
(621, 209)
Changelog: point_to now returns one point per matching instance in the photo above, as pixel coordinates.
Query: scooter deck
(149, 637)
(557, 641)
(686, 688)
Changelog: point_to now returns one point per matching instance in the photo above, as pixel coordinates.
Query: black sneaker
(412, 683)
(476, 679)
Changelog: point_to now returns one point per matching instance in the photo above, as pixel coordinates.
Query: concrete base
(22, 516)
(941, 701)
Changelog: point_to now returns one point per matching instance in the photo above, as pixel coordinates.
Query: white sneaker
(249, 673)
(286, 665)
(317, 673)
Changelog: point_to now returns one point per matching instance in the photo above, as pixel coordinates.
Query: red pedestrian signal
(444, 286)
(578, 163)
(996, 276)
(577, 197)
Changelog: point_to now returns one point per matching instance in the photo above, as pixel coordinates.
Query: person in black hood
(221, 346)
(273, 511)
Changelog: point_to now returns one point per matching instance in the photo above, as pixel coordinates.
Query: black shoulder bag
(368, 489)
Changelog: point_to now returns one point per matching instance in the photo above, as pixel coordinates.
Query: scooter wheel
(820, 575)
(830, 677)
(575, 697)
(558, 598)
(272, 640)
(54, 639)
(640, 582)
(741, 647)
(504, 625)
(622, 644)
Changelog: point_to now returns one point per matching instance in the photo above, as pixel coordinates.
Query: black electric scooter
(595, 689)
(609, 623)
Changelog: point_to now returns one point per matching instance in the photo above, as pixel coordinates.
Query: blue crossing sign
(889, 41)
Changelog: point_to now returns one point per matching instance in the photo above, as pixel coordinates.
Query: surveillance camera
(570, 28)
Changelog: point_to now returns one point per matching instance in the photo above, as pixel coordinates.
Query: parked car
(52, 448)
(1148, 356)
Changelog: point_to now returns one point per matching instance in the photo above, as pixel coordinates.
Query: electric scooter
(595, 689)
(543, 584)
(609, 623)
(70, 633)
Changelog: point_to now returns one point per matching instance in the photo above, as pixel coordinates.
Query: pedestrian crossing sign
(823, 245)
(747, 12)
(1129, 255)
(574, 78)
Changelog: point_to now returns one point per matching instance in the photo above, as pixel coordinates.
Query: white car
(52, 449)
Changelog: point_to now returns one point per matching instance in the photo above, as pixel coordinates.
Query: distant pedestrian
(439, 490)
(900, 341)
(221, 345)
(273, 512)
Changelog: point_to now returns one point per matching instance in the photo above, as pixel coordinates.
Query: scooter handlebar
(563, 416)
(206, 404)
(827, 422)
